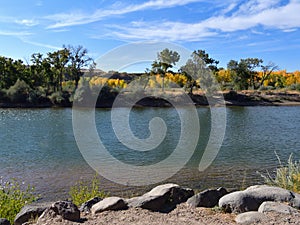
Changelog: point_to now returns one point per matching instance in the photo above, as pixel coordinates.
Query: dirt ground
(183, 214)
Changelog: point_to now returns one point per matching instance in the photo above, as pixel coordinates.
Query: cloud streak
(77, 18)
(14, 33)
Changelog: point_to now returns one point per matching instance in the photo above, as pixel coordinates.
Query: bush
(12, 199)
(286, 176)
(38, 96)
(59, 97)
(19, 92)
(294, 87)
(84, 191)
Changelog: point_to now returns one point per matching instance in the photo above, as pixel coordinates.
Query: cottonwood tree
(78, 59)
(267, 70)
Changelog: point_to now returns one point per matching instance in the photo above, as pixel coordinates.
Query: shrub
(286, 176)
(83, 191)
(13, 198)
(294, 87)
(3, 96)
(59, 97)
(38, 96)
(19, 92)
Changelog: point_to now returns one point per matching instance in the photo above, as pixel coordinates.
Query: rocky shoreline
(172, 204)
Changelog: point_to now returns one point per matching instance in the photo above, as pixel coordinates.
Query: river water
(39, 148)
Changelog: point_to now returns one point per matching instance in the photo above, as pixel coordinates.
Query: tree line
(47, 75)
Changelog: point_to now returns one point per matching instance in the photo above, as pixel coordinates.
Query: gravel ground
(183, 214)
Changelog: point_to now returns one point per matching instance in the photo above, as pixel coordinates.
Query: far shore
(231, 98)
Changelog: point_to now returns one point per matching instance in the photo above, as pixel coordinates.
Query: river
(39, 148)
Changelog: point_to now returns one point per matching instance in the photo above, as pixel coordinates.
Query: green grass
(83, 191)
(287, 175)
(13, 197)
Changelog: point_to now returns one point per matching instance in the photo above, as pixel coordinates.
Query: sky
(225, 29)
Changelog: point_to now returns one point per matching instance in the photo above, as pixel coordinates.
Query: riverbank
(172, 204)
(231, 98)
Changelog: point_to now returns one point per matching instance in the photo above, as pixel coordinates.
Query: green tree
(165, 59)
(244, 72)
(58, 60)
(78, 59)
(210, 62)
(200, 67)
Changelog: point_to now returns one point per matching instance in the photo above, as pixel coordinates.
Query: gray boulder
(208, 198)
(4, 221)
(162, 198)
(277, 207)
(67, 210)
(249, 218)
(86, 207)
(251, 198)
(31, 211)
(296, 201)
(110, 203)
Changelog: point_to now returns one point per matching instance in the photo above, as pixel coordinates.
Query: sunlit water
(38, 147)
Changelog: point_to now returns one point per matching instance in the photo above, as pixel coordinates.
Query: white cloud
(28, 23)
(285, 18)
(78, 18)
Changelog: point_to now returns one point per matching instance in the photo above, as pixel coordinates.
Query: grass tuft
(83, 191)
(286, 176)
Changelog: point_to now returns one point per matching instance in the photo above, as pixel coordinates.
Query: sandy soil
(183, 214)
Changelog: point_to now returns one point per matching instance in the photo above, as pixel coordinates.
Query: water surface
(38, 146)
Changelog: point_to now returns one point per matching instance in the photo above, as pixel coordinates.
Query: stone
(208, 198)
(162, 198)
(29, 212)
(251, 198)
(67, 210)
(86, 207)
(277, 207)
(296, 201)
(4, 221)
(110, 203)
(248, 218)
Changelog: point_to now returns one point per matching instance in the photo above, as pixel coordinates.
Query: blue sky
(226, 29)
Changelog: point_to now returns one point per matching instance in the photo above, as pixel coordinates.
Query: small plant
(13, 198)
(84, 191)
(287, 176)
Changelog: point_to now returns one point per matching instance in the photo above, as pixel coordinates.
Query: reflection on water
(38, 146)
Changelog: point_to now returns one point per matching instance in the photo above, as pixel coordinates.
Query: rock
(208, 198)
(277, 207)
(4, 221)
(110, 203)
(67, 210)
(248, 218)
(296, 201)
(30, 212)
(162, 198)
(86, 207)
(251, 198)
